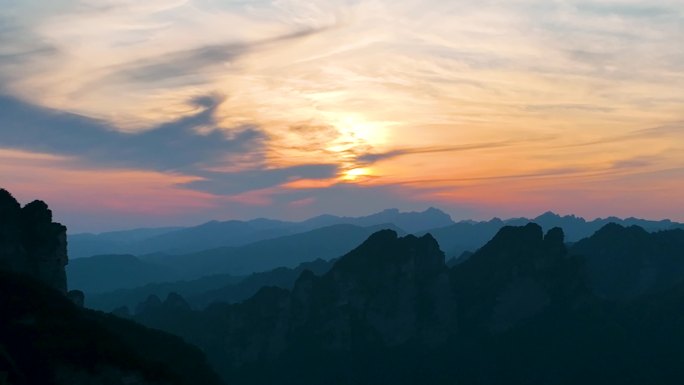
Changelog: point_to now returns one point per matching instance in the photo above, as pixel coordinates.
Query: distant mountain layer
(102, 274)
(217, 234)
(454, 238)
(207, 290)
(106, 274)
(522, 309)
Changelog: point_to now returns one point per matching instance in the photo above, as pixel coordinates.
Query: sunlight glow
(356, 173)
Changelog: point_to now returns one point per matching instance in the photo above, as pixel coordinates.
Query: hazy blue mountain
(214, 234)
(115, 242)
(207, 290)
(288, 251)
(131, 297)
(235, 233)
(104, 273)
(107, 273)
(454, 238)
(282, 277)
(411, 222)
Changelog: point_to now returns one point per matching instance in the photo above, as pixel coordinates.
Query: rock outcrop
(31, 243)
(387, 307)
(522, 309)
(626, 263)
(47, 337)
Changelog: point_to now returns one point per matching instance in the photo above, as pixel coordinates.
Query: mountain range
(101, 274)
(524, 308)
(324, 238)
(216, 234)
(529, 305)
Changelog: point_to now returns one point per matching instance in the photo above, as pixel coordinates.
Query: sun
(355, 131)
(356, 173)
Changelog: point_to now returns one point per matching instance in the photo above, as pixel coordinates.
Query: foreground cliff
(31, 243)
(45, 338)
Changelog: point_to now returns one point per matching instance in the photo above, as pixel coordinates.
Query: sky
(123, 113)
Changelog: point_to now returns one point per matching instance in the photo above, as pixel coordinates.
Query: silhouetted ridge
(8, 204)
(613, 231)
(384, 250)
(49, 340)
(519, 310)
(516, 276)
(518, 244)
(46, 337)
(629, 262)
(30, 243)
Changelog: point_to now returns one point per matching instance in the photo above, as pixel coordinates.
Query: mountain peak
(381, 237)
(547, 215)
(34, 244)
(613, 230)
(384, 250)
(8, 202)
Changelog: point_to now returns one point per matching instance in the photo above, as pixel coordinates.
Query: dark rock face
(391, 283)
(46, 339)
(521, 309)
(30, 243)
(518, 274)
(626, 263)
(391, 301)
(77, 297)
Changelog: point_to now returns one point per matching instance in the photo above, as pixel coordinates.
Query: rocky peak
(30, 243)
(507, 280)
(517, 249)
(625, 263)
(384, 252)
(388, 281)
(8, 205)
(614, 231)
(554, 240)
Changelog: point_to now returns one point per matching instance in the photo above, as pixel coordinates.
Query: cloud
(168, 68)
(376, 157)
(257, 179)
(673, 131)
(175, 145)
